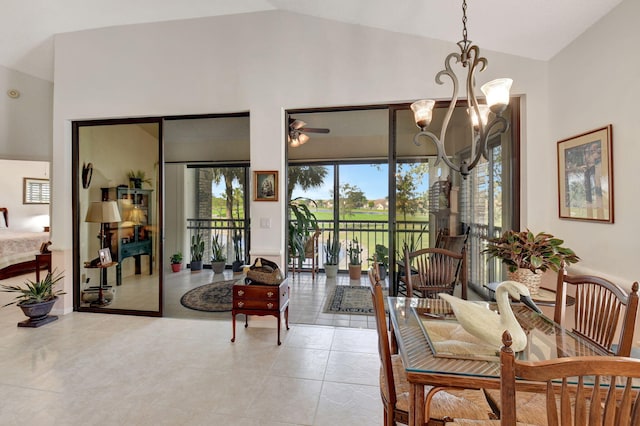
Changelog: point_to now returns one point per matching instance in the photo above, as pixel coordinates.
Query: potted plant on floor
(238, 263)
(36, 299)
(355, 259)
(218, 256)
(197, 250)
(302, 223)
(176, 261)
(331, 256)
(381, 257)
(528, 255)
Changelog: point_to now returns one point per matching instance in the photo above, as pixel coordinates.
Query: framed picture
(105, 256)
(265, 186)
(585, 176)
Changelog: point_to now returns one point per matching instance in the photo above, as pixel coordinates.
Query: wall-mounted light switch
(265, 222)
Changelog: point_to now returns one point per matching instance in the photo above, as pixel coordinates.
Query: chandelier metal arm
(448, 71)
(442, 155)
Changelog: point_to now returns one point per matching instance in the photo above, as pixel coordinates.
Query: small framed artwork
(585, 176)
(265, 186)
(105, 256)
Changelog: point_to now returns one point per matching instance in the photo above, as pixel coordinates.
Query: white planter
(331, 271)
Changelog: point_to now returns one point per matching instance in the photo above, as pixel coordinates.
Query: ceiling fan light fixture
(302, 138)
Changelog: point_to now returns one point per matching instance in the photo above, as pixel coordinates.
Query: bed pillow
(3, 223)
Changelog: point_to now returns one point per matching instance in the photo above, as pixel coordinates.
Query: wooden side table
(101, 301)
(254, 299)
(43, 260)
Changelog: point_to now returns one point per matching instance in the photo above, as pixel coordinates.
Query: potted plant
(218, 256)
(137, 178)
(331, 256)
(355, 259)
(36, 299)
(302, 223)
(237, 264)
(528, 255)
(381, 257)
(176, 261)
(197, 250)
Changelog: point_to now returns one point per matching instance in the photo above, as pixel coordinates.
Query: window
(36, 191)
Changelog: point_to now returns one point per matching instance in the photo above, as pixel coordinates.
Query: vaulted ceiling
(536, 29)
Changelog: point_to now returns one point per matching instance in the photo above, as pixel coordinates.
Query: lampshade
(484, 115)
(302, 138)
(422, 112)
(103, 212)
(497, 93)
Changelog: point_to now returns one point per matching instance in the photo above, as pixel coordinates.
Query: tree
(229, 174)
(351, 197)
(306, 177)
(407, 201)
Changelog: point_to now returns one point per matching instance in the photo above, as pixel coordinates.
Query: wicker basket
(528, 278)
(264, 271)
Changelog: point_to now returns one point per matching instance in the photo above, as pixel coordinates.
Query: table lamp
(103, 212)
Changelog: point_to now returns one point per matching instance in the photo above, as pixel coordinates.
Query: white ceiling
(535, 29)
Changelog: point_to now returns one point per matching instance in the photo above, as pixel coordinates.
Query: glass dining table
(437, 352)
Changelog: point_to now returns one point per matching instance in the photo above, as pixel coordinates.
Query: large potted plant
(176, 261)
(331, 256)
(528, 255)
(354, 251)
(36, 299)
(381, 257)
(238, 263)
(197, 250)
(302, 223)
(218, 256)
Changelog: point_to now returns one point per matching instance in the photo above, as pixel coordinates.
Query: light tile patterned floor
(115, 369)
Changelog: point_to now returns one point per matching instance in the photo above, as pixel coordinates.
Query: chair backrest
(387, 384)
(602, 310)
(577, 388)
(435, 270)
(311, 245)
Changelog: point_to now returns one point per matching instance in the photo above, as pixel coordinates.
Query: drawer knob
(240, 292)
(269, 294)
(240, 304)
(270, 305)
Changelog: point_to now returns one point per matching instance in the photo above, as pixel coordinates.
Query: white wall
(596, 81)
(23, 217)
(25, 122)
(264, 63)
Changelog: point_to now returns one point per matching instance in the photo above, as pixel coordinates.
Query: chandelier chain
(464, 21)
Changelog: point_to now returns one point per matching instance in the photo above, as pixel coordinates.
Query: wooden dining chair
(602, 311)
(311, 251)
(435, 270)
(576, 389)
(442, 405)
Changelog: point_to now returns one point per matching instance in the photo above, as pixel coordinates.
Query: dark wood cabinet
(131, 237)
(256, 299)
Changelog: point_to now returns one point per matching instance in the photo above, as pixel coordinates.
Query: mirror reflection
(118, 216)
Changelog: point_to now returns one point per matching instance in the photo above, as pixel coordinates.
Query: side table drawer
(256, 304)
(256, 292)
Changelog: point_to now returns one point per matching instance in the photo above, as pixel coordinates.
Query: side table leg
(279, 315)
(233, 324)
(286, 316)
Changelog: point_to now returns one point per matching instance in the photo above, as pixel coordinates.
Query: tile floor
(96, 369)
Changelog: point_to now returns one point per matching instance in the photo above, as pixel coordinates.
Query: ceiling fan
(297, 132)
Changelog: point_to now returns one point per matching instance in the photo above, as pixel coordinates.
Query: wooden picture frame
(105, 256)
(265, 185)
(585, 176)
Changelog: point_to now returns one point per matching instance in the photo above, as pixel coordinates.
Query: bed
(18, 249)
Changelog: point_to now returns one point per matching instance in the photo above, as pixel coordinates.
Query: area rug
(352, 300)
(214, 297)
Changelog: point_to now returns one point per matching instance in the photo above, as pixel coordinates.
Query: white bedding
(17, 247)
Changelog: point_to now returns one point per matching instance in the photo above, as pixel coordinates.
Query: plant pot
(528, 278)
(135, 183)
(383, 271)
(237, 265)
(331, 270)
(355, 272)
(218, 266)
(175, 267)
(196, 265)
(38, 313)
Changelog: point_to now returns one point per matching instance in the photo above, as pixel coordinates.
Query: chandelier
(497, 98)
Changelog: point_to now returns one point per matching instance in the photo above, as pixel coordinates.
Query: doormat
(353, 300)
(214, 297)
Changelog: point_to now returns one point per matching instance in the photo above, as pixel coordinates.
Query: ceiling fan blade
(313, 130)
(297, 124)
